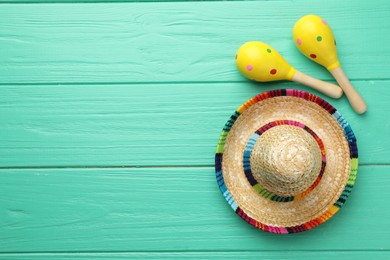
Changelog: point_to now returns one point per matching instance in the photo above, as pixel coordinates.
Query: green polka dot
(269, 50)
(319, 38)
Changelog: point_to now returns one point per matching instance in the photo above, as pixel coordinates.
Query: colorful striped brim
(286, 161)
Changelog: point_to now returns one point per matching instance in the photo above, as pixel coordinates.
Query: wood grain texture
(154, 209)
(171, 42)
(97, 86)
(264, 255)
(150, 125)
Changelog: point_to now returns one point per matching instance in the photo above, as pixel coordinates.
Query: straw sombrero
(286, 161)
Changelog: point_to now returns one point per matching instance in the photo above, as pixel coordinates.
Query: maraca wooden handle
(328, 89)
(353, 96)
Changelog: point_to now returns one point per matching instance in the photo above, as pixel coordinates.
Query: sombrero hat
(286, 161)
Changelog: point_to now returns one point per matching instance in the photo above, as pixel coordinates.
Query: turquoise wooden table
(110, 114)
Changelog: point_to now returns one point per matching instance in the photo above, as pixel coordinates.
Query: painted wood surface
(110, 114)
(189, 41)
(102, 210)
(166, 124)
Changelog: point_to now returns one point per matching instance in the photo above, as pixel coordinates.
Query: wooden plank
(171, 42)
(154, 124)
(180, 209)
(207, 255)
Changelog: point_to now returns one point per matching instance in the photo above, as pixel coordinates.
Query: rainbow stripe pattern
(350, 137)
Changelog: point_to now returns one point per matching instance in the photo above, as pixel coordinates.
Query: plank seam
(186, 251)
(137, 167)
(160, 82)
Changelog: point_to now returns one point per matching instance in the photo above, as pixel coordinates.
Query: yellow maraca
(259, 61)
(314, 38)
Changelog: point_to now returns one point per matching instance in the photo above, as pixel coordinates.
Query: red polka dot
(273, 71)
(249, 67)
(313, 56)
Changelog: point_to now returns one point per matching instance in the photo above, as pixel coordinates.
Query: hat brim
(329, 194)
